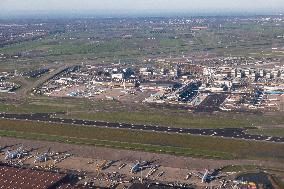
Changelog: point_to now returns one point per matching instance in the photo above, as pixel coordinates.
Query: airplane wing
(146, 166)
(200, 175)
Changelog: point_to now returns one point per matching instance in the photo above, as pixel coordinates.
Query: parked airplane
(140, 166)
(207, 176)
(19, 153)
(2, 148)
(43, 157)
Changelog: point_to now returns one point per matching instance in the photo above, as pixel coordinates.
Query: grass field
(120, 145)
(196, 146)
(186, 120)
(278, 132)
(248, 168)
(152, 118)
(112, 111)
(46, 105)
(64, 44)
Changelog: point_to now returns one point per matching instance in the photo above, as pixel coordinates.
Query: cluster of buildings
(253, 74)
(6, 85)
(23, 30)
(193, 85)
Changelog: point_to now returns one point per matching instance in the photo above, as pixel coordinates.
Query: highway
(236, 133)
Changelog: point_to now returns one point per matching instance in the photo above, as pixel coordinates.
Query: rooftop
(11, 177)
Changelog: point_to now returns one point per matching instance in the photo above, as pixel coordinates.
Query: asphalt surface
(236, 133)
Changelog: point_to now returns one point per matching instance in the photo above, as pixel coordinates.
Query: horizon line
(135, 13)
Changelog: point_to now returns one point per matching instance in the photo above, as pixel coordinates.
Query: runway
(236, 133)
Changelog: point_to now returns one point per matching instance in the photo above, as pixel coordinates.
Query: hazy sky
(140, 5)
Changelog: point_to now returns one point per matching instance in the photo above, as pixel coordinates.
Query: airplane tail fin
(7, 152)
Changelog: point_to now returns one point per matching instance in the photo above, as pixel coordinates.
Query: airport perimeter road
(237, 133)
